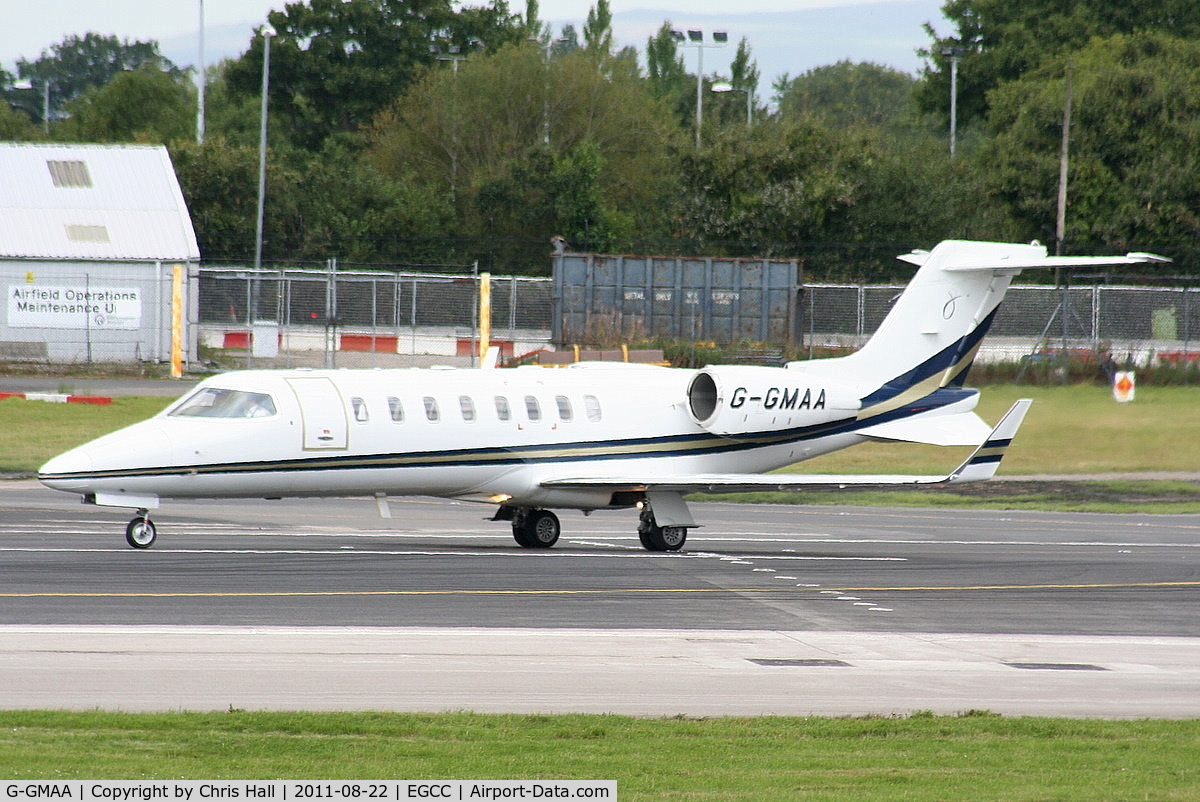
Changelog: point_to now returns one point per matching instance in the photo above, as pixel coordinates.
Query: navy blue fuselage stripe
(938, 363)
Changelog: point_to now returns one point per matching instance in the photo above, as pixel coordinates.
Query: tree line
(417, 132)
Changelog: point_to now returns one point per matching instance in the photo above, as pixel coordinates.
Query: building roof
(92, 202)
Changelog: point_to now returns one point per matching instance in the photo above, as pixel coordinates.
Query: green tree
(500, 134)
(666, 74)
(1001, 40)
(1134, 177)
(77, 64)
(531, 26)
(16, 126)
(142, 105)
(847, 94)
(765, 189)
(220, 182)
(334, 64)
(597, 30)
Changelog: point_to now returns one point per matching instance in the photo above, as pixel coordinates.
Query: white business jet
(593, 436)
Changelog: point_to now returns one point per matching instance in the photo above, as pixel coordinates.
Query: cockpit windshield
(214, 402)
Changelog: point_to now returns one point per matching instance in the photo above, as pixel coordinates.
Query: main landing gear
(659, 538)
(141, 532)
(533, 528)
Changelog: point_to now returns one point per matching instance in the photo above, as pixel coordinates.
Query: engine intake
(732, 400)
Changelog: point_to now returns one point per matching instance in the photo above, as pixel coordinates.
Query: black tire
(141, 533)
(672, 537)
(647, 543)
(662, 538)
(542, 529)
(522, 536)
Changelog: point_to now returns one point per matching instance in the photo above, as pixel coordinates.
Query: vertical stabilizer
(931, 335)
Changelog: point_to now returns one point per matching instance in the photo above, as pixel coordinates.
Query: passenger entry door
(322, 412)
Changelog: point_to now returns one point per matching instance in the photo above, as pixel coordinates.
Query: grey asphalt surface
(319, 604)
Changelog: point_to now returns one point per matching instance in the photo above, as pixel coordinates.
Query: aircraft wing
(981, 465)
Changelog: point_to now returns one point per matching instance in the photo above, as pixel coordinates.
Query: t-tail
(932, 334)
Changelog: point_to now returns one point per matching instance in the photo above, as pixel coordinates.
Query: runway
(320, 604)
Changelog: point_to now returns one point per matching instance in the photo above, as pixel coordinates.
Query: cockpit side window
(215, 402)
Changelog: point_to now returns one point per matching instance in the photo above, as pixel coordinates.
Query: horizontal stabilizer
(981, 465)
(962, 429)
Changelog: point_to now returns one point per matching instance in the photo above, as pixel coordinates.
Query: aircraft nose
(75, 461)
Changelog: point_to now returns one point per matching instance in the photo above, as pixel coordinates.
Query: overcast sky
(785, 35)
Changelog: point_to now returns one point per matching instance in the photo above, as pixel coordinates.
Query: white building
(95, 245)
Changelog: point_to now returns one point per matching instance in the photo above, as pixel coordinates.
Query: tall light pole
(200, 81)
(267, 33)
(695, 38)
(454, 56)
(955, 53)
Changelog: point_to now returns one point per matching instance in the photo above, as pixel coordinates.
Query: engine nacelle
(733, 400)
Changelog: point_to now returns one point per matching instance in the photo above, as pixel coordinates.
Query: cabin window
(431, 409)
(214, 402)
(564, 407)
(591, 405)
(532, 408)
(502, 410)
(467, 407)
(360, 410)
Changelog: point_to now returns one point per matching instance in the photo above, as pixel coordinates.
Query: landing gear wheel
(544, 528)
(645, 538)
(141, 533)
(672, 538)
(523, 538)
(659, 538)
(536, 529)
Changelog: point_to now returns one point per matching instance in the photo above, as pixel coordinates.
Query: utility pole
(1060, 230)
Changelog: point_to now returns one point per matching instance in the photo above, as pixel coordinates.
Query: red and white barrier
(60, 398)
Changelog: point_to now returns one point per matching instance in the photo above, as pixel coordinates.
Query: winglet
(982, 464)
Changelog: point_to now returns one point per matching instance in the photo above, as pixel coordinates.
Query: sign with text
(47, 307)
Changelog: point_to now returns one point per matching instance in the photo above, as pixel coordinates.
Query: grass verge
(923, 757)
(35, 431)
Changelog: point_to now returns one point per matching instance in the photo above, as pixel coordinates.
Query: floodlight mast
(695, 38)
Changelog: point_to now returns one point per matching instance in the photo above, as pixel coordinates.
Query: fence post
(485, 315)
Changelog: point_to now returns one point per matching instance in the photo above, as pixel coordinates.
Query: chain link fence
(336, 318)
(1138, 326)
(332, 318)
(81, 313)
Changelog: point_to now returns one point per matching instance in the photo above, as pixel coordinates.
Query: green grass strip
(923, 757)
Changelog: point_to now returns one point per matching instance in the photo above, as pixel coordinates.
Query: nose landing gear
(141, 532)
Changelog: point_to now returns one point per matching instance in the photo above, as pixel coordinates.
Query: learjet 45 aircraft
(593, 436)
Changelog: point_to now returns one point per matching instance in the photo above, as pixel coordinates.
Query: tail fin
(930, 337)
